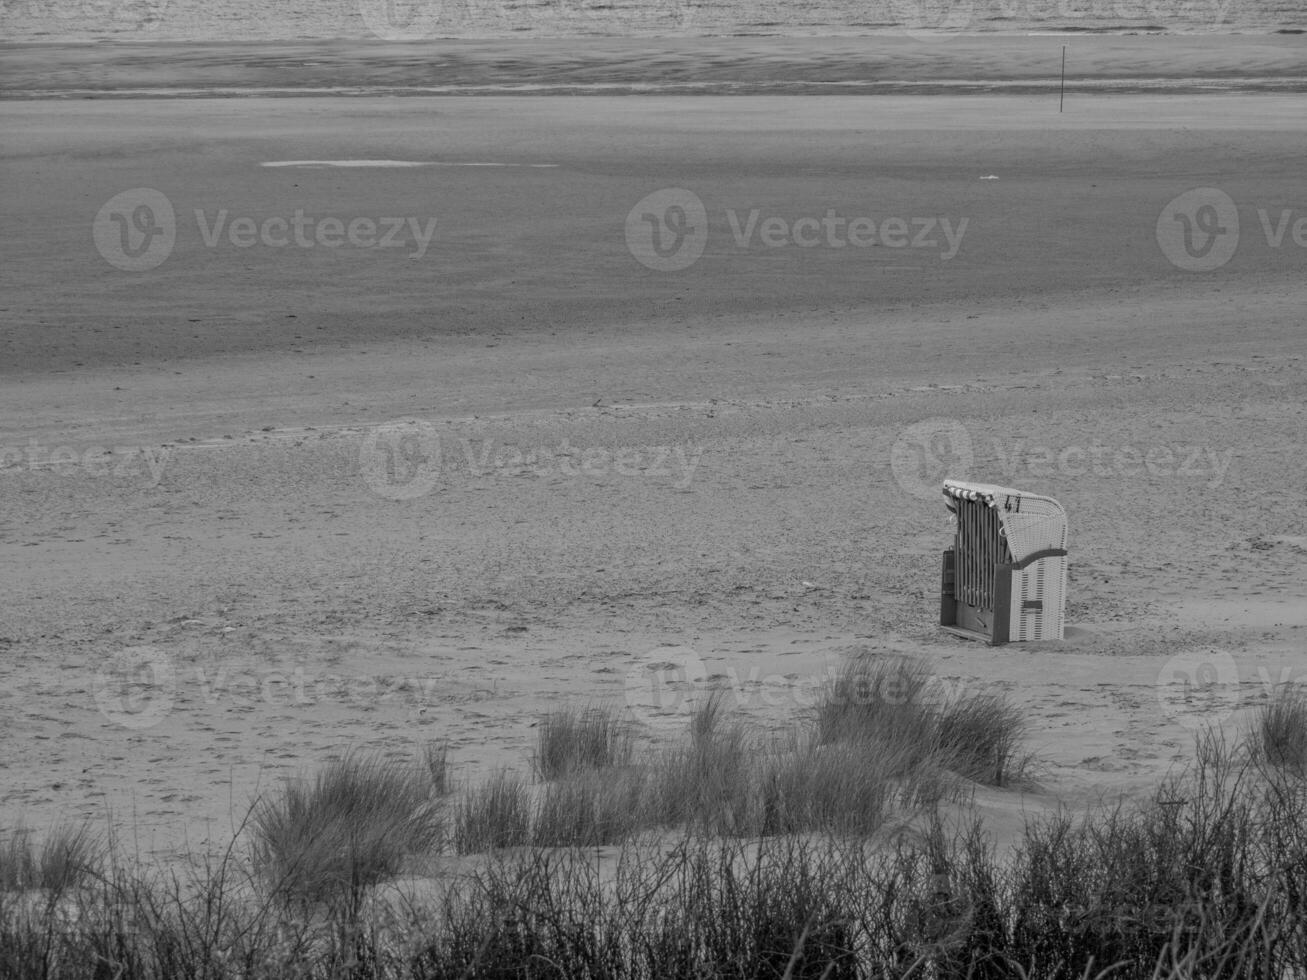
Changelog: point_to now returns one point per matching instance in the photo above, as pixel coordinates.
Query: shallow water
(216, 20)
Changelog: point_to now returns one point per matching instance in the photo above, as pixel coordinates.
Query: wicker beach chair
(1004, 579)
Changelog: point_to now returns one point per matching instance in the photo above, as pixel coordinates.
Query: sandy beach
(264, 502)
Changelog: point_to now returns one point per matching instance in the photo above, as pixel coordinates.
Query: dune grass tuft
(67, 856)
(1281, 733)
(589, 808)
(880, 702)
(706, 782)
(707, 715)
(841, 789)
(982, 734)
(592, 738)
(493, 815)
(878, 698)
(352, 826)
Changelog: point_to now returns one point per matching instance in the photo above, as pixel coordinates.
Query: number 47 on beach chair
(1005, 576)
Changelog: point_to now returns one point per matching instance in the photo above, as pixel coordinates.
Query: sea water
(248, 20)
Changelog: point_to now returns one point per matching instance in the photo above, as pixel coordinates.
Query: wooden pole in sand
(1062, 93)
